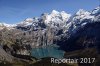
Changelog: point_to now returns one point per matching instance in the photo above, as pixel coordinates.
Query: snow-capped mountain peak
(8, 26)
(96, 10)
(82, 12)
(28, 20)
(82, 15)
(96, 14)
(65, 16)
(54, 12)
(81, 18)
(56, 18)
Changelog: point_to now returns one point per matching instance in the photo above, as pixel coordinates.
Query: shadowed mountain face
(85, 37)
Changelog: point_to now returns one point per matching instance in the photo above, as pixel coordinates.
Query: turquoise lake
(47, 51)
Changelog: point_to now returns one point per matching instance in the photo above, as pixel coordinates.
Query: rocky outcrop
(4, 56)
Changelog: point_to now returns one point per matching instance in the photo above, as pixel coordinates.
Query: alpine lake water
(47, 51)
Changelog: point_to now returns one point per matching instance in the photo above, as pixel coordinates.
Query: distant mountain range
(57, 19)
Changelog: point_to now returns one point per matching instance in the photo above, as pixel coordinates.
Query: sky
(14, 11)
